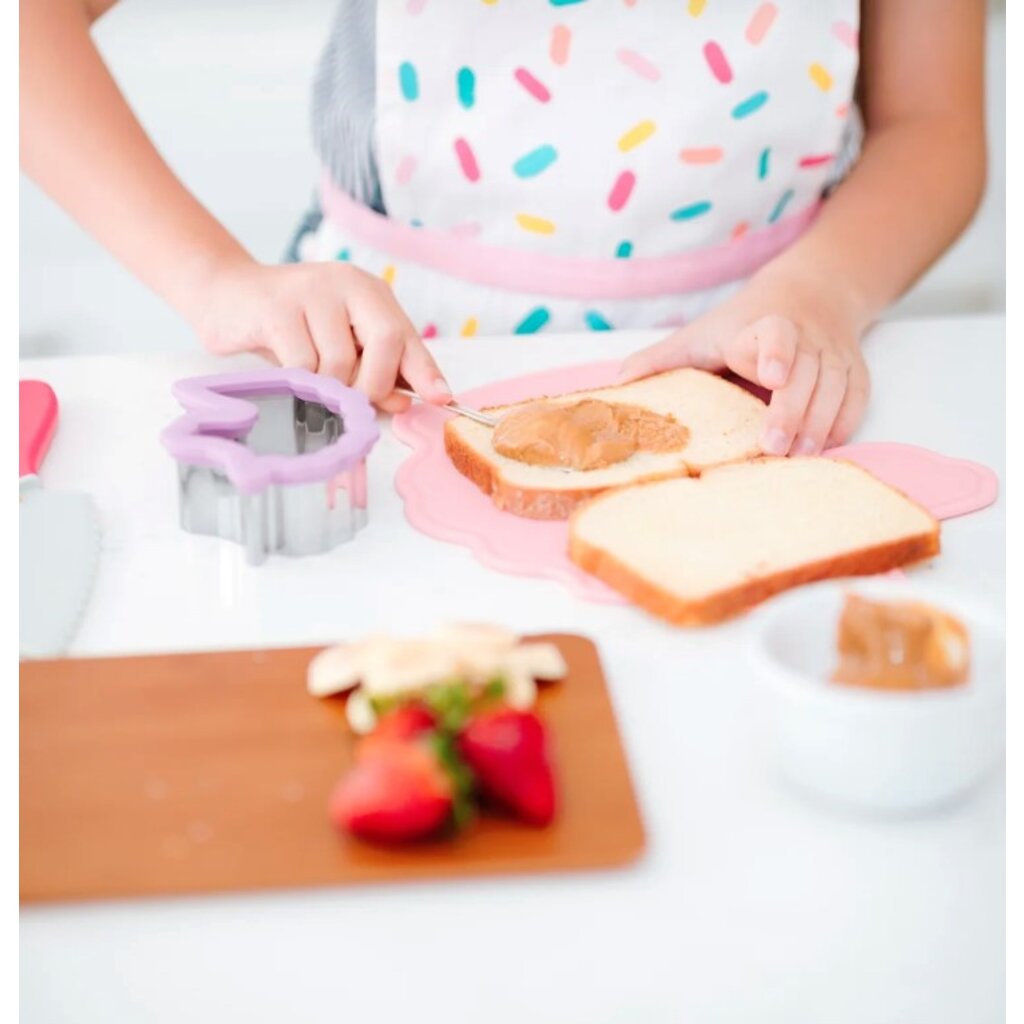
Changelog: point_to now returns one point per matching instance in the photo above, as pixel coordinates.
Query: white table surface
(750, 905)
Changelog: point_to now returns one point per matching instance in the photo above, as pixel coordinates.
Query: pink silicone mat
(443, 504)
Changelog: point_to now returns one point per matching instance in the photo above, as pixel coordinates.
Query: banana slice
(539, 661)
(359, 712)
(334, 670)
(403, 665)
(520, 690)
(476, 653)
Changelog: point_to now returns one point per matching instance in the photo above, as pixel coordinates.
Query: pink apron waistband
(563, 276)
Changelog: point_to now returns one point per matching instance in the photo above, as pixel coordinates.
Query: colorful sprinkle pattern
(709, 128)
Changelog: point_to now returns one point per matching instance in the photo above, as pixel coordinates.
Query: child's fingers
(821, 413)
(773, 340)
(378, 367)
(382, 331)
(855, 402)
(422, 374)
(789, 404)
(293, 346)
(686, 347)
(332, 335)
(394, 403)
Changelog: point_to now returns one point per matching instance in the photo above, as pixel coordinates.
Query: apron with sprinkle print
(589, 164)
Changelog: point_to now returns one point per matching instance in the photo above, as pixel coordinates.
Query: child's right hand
(330, 318)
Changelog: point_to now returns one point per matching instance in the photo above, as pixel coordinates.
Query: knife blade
(58, 533)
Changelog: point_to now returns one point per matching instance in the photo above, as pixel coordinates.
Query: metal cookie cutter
(272, 459)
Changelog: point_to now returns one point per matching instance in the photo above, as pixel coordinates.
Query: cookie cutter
(274, 460)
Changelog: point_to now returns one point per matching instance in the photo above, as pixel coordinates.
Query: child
(497, 166)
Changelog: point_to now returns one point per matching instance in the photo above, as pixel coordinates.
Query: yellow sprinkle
(469, 328)
(820, 77)
(528, 222)
(637, 134)
(490, 3)
(697, 8)
(388, 274)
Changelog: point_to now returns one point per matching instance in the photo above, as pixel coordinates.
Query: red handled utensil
(59, 536)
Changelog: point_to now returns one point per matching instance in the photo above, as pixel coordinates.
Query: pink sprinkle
(741, 229)
(641, 65)
(560, 39)
(703, 155)
(415, 6)
(430, 331)
(716, 61)
(405, 169)
(621, 190)
(846, 34)
(536, 89)
(842, 110)
(467, 161)
(468, 230)
(760, 22)
(817, 160)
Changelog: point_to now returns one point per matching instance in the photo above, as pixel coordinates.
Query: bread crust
(529, 502)
(727, 603)
(541, 502)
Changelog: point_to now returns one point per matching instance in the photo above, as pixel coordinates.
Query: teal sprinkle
(780, 206)
(750, 105)
(564, 3)
(533, 321)
(762, 164)
(344, 254)
(537, 160)
(416, 222)
(624, 250)
(408, 81)
(595, 321)
(465, 82)
(691, 211)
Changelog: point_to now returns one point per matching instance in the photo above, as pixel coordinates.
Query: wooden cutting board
(194, 773)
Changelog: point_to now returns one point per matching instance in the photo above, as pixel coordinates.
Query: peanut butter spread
(900, 646)
(589, 434)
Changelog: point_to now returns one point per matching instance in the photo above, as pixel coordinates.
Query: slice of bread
(695, 551)
(724, 421)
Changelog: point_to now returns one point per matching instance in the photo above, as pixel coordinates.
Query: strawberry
(397, 791)
(507, 752)
(405, 722)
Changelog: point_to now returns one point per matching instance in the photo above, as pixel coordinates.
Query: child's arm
(795, 327)
(81, 143)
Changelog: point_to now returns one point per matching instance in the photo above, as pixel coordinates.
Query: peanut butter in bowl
(900, 645)
(585, 435)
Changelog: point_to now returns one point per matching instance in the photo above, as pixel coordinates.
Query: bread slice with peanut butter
(549, 455)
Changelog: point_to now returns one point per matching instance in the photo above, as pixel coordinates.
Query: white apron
(587, 165)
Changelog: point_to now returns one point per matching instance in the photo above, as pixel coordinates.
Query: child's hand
(791, 333)
(331, 318)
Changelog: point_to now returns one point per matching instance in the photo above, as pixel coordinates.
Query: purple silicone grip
(216, 413)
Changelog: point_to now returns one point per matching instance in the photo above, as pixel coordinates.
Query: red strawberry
(507, 751)
(397, 791)
(406, 722)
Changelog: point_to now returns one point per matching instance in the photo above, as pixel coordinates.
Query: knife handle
(37, 421)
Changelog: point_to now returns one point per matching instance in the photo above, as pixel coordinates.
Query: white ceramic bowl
(876, 750)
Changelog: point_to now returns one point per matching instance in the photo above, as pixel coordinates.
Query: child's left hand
(791, 332)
